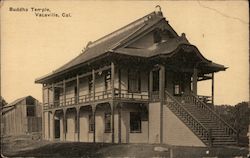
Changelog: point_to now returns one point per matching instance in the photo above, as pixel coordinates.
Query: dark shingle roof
(110, 41)
(113, 42)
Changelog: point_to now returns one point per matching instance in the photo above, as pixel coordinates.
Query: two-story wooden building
(135, 85)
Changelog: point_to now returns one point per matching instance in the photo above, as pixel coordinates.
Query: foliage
(237, 116)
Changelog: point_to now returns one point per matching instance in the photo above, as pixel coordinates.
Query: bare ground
(28, 147)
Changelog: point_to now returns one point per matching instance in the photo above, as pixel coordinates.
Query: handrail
(213, 112)
(99, 95)
(206, 131)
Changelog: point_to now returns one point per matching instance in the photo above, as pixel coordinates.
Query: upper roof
(117, 41)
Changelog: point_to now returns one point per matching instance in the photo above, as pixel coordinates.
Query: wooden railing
(194, 124)
(125, 94)
(205, 99)
(192, 98)
(100, 95)
(155, 95)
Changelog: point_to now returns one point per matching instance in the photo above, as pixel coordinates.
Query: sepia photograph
(165, 79)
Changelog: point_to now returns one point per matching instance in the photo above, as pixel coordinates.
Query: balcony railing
(99, 96)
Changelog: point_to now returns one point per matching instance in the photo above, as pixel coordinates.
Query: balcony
(122, 95)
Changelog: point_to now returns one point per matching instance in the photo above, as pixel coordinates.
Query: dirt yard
(27, 146)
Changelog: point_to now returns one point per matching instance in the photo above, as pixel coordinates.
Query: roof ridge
(122, 29)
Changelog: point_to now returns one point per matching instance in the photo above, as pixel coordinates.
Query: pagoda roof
(117, 42)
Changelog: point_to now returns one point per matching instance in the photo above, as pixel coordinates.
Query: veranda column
(77, 89)
(77, 123)
(162, 98)
(93, 114)
(120, 83)
(212, 88)
(119, 123)
(53, 94)
(48, 98)
(64, 92)
(93, 79)
(53, 126)
(195, 77)
(64, 124)
(150, 83)
(112, 99)
(93, 106)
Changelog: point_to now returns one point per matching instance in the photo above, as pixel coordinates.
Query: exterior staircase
(202, 120)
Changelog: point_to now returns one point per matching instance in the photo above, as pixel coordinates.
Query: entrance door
(57, 128)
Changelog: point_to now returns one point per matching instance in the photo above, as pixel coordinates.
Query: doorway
(57, 128)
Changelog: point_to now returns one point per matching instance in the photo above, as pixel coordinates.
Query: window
(31, 111)
(134, 81)
(90, 85)
(135, 122)
(156, 80)
(91, 123)
(177, 89)
(107, 119)
(76, 124)
(107, 81)
(157, 36)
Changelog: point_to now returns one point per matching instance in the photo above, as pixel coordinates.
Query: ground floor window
(135, 122)
(91, 123)
(107, 119)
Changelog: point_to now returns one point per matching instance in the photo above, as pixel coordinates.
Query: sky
(33, 46)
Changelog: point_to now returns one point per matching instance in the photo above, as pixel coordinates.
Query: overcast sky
(33, 46)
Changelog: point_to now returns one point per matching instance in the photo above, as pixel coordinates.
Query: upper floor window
(134, 81)
(107, 80)
(107, 119)
(156, 83)
(90, 83)
(157, 36)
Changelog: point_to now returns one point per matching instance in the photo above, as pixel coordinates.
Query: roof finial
(158, 7)
(158, 10)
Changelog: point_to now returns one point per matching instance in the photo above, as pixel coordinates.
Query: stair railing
(223, 124)
(188, 118)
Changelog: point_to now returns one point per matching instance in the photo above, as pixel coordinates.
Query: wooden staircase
(202, 120)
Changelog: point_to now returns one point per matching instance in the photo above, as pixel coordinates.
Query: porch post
(195, 77)
(119, 124)
(77, 123)
(64, 124)
(64, 92)
(53, 126)
(119, 78)
(150, 83)
(162, 98)
(112, 102)
(77, 89)
(93, 114)
(49, 131)
(48, 97)
(93, 79)
(112, 105)
(112, 80)
(212, 88)
(53, 94)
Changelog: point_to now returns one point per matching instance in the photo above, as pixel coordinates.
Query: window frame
(91, 123)
(139, 121)
(107, 122)
(134, 76)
